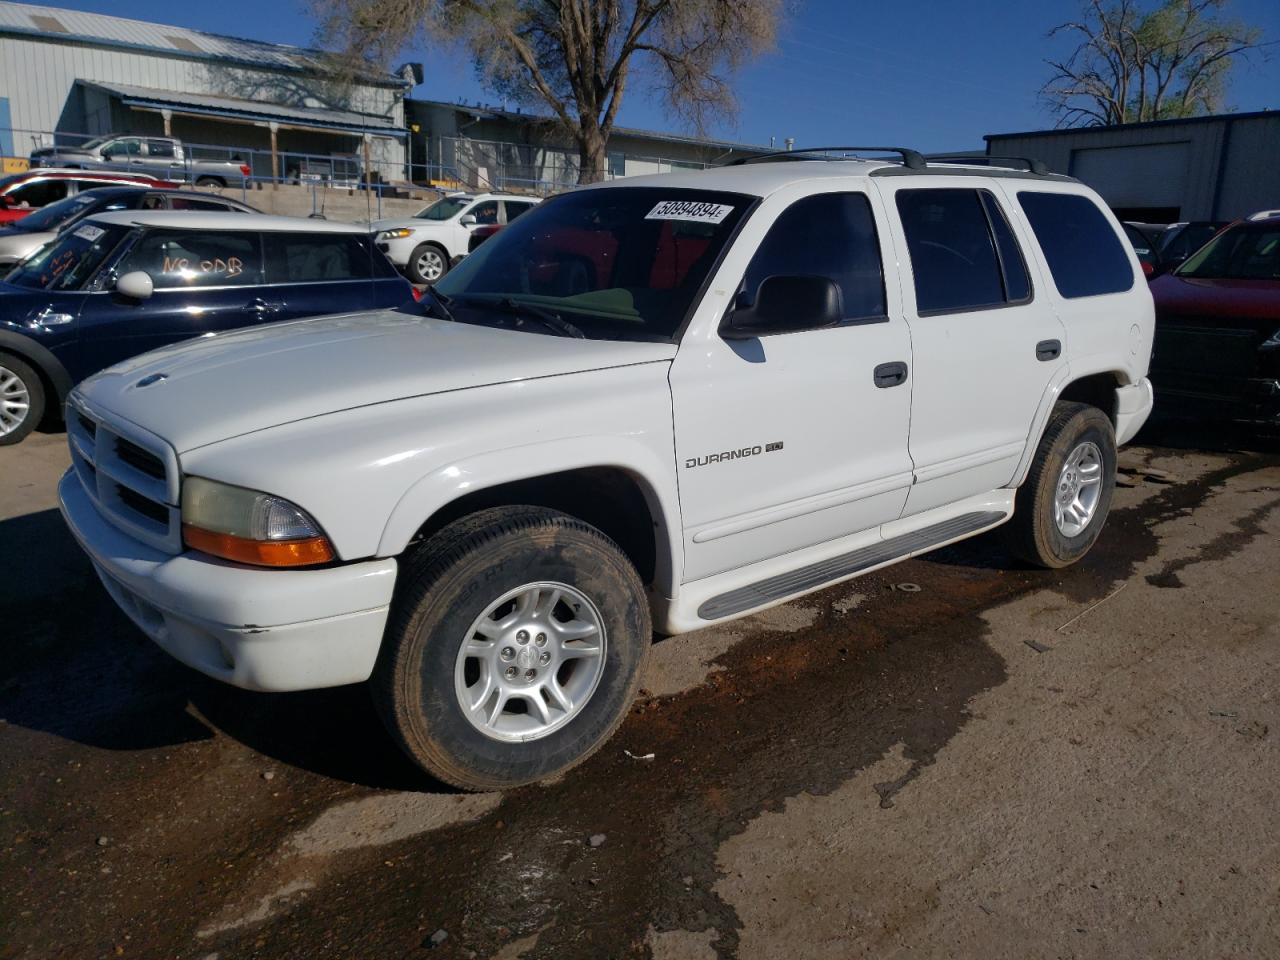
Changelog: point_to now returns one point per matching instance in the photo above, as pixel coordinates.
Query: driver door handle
(890, 374)
(262, 307)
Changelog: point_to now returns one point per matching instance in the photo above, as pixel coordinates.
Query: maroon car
(1217, 346)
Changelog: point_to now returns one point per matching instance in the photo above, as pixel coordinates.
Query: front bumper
(398, 251)
(256, 629)
(1133, 407)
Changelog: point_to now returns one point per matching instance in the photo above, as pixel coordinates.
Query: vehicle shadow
(76, 667)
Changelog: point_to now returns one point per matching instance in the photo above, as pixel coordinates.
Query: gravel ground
(1003, 763)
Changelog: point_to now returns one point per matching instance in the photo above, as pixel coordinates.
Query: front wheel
(21, 400)
(428, 263)
(514, 648)
(1062, 506)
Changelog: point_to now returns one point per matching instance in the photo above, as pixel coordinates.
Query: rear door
(985, 340)
(309, 274)
(205, 282)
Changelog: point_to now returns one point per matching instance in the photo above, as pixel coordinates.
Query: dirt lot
(1002, 763)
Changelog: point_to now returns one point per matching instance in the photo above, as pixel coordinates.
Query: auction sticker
(692, 210)
(90, 232)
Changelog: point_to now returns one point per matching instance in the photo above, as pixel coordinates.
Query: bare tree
(576, 57)
(1132, 64)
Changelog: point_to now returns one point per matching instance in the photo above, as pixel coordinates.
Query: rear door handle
(891, 374)
(1048, 349)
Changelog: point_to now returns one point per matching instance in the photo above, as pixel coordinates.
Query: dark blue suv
(119, 284)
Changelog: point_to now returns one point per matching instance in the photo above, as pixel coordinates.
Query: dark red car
(22, 193)
(1217, 346)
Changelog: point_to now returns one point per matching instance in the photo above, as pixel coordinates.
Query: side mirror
(468, 220)
(136, 285)
(786, 305)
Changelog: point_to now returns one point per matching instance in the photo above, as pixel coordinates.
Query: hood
(16, 245)
(1177, 296)
(218, 387)
(391, 223)
(61, 152)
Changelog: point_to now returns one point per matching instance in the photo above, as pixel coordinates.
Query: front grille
(131, 476)
(139, 459)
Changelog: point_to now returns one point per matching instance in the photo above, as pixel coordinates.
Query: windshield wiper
(442, 304)
(548, 318)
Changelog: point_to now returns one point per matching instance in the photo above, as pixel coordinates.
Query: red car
(1217, 345)
(24, 192)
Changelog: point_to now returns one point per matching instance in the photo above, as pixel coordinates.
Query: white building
(65, 73)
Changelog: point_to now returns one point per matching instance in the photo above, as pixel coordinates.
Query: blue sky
(936, 76)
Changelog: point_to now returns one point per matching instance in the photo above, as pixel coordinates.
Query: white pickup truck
(649, 405)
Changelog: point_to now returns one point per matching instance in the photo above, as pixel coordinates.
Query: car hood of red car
(1187, 296)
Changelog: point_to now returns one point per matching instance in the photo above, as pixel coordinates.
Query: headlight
(398, 234)
(250, 527)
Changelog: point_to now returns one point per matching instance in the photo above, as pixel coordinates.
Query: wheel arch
(53, 375)
(1096, 387)
(617, 494)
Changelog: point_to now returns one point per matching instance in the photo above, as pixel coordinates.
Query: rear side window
(953, 251)
(159, 148)
(1017, 284)
(515, 208)
(207, 258)
(830, 235)
(1084, 254)
(316, 258)
(199, 203)
(39, 193)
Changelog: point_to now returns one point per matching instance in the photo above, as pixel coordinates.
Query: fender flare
(41, 358)
(481, 471)
(1066, 376)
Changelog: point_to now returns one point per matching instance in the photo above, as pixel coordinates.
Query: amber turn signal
(262, 553)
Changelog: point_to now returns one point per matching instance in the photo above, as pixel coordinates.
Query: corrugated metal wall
(1230, 165)
(38, 78)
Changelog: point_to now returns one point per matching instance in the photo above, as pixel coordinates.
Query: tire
(428, 263)
(1042, 534)
(22, 400)
(210, 182)
(468, 582)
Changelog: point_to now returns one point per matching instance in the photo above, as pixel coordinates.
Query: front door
(205, 282)
(986, 341)
(788, 441)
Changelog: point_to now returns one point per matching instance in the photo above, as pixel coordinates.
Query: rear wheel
(1063, 505)
(21, 399)
(514, 648)
(428, 263)
(210, 182)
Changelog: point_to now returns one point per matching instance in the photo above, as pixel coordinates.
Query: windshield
(66, 263)
(1244, 252)
(55, 214)
(442, 209)
(620, 262)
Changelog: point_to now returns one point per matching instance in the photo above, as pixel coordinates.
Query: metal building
(1204, 168)
(64, 73)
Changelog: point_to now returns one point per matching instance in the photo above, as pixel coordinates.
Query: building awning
(251, 111)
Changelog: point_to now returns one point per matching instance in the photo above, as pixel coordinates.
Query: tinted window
(120, 148)
(1084, 254)
(38, 193)
(315, 258)
(159, 148)
(515, 208)
(198, 203)
(953, 256)
(178, 260)
(1245, 252)
(55, 214)
(1017, 284)
(830, 235)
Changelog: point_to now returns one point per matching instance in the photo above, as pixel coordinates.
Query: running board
(837, 568)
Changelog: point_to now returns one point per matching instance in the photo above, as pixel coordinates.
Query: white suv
(653, 404)
(427, 244)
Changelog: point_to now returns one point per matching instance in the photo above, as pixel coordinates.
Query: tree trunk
(592, 158)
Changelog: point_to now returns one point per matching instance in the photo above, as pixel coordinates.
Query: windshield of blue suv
(442, 209)
(616, 263)
(66, 263)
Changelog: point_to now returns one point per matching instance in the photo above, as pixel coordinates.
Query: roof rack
(911, 159)
(1038, 167)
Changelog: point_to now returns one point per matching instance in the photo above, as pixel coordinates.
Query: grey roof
(514, 116)
(55, 23)
(1146, 124)
(313, 117)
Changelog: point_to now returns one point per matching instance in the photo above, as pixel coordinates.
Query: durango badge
(738, 454)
